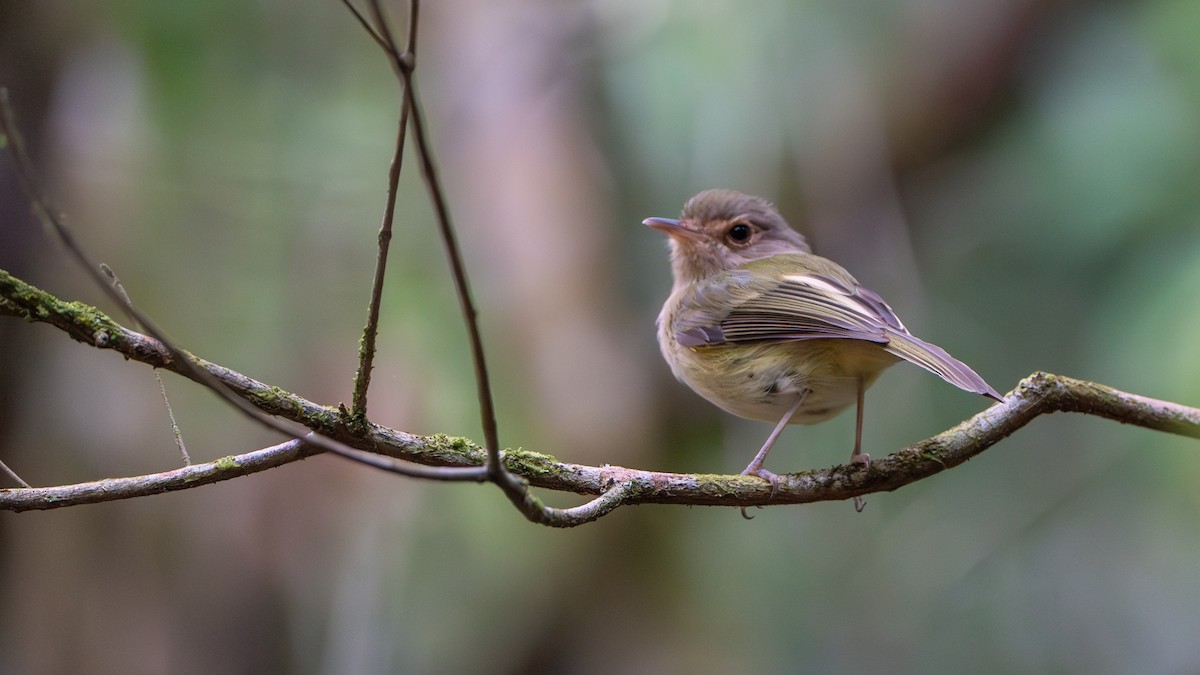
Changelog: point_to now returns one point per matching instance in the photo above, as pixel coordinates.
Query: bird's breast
(761, 380)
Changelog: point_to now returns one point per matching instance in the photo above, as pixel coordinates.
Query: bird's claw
(769, 476)
(864, 460)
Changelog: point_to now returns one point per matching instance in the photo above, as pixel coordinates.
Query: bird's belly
(761, 381)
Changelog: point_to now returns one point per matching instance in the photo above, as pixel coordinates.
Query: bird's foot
(769, 476)
(864, 460)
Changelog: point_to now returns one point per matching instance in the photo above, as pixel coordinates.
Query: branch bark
(1039, 394)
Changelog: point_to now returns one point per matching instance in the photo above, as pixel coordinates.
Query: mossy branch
(1038, 394)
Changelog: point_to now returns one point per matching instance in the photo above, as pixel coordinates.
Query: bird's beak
(670, 226)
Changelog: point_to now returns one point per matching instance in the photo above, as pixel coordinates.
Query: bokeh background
(1018, 177)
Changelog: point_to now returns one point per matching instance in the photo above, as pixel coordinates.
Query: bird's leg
(858, 456)
(755, 467)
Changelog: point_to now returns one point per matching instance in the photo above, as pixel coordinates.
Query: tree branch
(1038, 394)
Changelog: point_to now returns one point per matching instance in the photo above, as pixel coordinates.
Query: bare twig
(366, 353)
(366, 25)
(162, 387)
(13, 475)
(175, 432)
(487, 410)
(478, 474)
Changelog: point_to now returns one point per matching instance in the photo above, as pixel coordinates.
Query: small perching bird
(764, 329)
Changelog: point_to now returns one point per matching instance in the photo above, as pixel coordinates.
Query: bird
(763, 328)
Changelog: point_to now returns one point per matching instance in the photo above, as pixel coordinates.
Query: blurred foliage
(1017, 177)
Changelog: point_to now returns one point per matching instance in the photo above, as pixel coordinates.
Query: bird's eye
(739, 233)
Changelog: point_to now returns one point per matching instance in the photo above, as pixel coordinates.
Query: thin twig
(175, 431)
(366, 353)
(13, 475)
(384, 29)
(478, 474)
(462, 286)
(162, 387)
(362, 20)
(487, 410)
(593, 510)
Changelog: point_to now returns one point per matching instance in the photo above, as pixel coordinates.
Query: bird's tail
(935, 359)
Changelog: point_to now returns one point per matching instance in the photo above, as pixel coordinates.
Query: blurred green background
(1019, 178)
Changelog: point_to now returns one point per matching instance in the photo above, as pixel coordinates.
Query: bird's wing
(737, 306)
